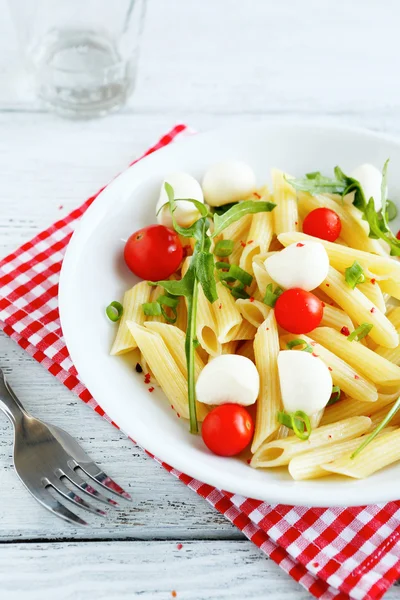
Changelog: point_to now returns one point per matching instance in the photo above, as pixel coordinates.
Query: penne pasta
(226, 315)
(379, 370)
(254, 311)
(285, 214)
(341, 257)
(281, 452)
(206, 326)
(336, 318)
(229, 347)
(262, 277)
(349, 380)
(266, 349)
(246, 331)
(247, 350)
(165, 369)
(360, 309)
(258, 239)
(374, 293)
(132, 311)
(388, 286)
(349, 407)
(381, 452)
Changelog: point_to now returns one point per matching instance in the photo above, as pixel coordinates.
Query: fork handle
(9, 402)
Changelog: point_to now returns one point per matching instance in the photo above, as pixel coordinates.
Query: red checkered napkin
(334, 553)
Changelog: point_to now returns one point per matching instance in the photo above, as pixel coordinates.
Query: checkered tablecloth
(335, 553)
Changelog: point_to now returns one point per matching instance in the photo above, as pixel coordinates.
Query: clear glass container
(83, 54)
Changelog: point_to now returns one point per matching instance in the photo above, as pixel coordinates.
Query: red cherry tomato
(154, 252)
(227, 429)
(323, 223)
(298, 311)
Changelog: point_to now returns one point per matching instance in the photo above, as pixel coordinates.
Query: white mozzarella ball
(370, 179)
(184, 186)
(228, 181)
(306, 383)
(302, 264)
(228, 379)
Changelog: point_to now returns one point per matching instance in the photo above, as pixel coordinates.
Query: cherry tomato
(323, 223)
(298, 311)
(227, 429)
(154, 252)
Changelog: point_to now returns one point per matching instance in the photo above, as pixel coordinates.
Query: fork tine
(47, 501)
(95, 473)
(69, 495)
(86, 488)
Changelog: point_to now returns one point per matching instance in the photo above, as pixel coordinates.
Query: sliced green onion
(240, 274)
(385, 421)
(168, 301)
(224, 248)
(222, 265)
(151, 309)
(226, 276)
(167, 317)
(271, 296)
(359, 333)
(299, 342)
(239, 292)
(335, 396)
(114, 311)
(391, 210)
(298, 421)
(354, 275)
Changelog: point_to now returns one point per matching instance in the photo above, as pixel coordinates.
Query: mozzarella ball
(301, 265)
(228, 181)
(306, 382)
(370, 179)
(228, 379)
(184, 186)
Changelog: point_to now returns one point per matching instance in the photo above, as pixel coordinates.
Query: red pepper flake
(179, 546)
(256, 195)
(315, 564)
(147, 378)
(178, 415)
(220, 306)
(251, 299)
(299, 245)
(356, 377)
(398, 235)
(172, 406)
(267, 328)
(173, 594)
(248, 461)
(250, 242)
(296, 222)
(332, 304)
(151, 389)
(315, 355)
(243, 244)
(345, 331)
(373, 281)
(323, 304)
(313, 343)
(61, 207)
(330, 369)
(327, 285)
(373, 309)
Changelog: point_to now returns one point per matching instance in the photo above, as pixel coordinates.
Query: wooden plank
(113, 571)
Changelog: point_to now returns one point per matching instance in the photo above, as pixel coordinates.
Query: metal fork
(44, 455)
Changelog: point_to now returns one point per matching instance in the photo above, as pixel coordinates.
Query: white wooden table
(207, 63)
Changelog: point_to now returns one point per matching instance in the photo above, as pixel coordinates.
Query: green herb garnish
(151, 309)
(335, 396)
(201, 272)
(224, 248)
(271, 296)
(391, 210)
(359, 333)
(298, 421)
(385, 421)
(114, 311)
(342, 184)
(299, 342)
(354, 275)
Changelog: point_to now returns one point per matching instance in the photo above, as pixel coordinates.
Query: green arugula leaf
(220, 210)
(184, 231)
(205, 275)
(385, 421)
(354, 275)
(238, 211)
(315, 183)
(182, 287)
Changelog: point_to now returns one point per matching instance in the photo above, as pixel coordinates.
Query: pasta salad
(269, 316)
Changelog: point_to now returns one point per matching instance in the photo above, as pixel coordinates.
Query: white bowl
(94, 274)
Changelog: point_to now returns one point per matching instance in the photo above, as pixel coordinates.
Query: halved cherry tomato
(298, 311)
(227, 429)
(154, 252)
(323, 223)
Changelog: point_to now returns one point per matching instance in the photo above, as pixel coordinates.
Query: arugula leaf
(385, 421)
(184, 231)
(272, 296)
(354, 275)
(220, 210)
(205, 275)
(238, 211)
(315, 183)
(182, 287)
